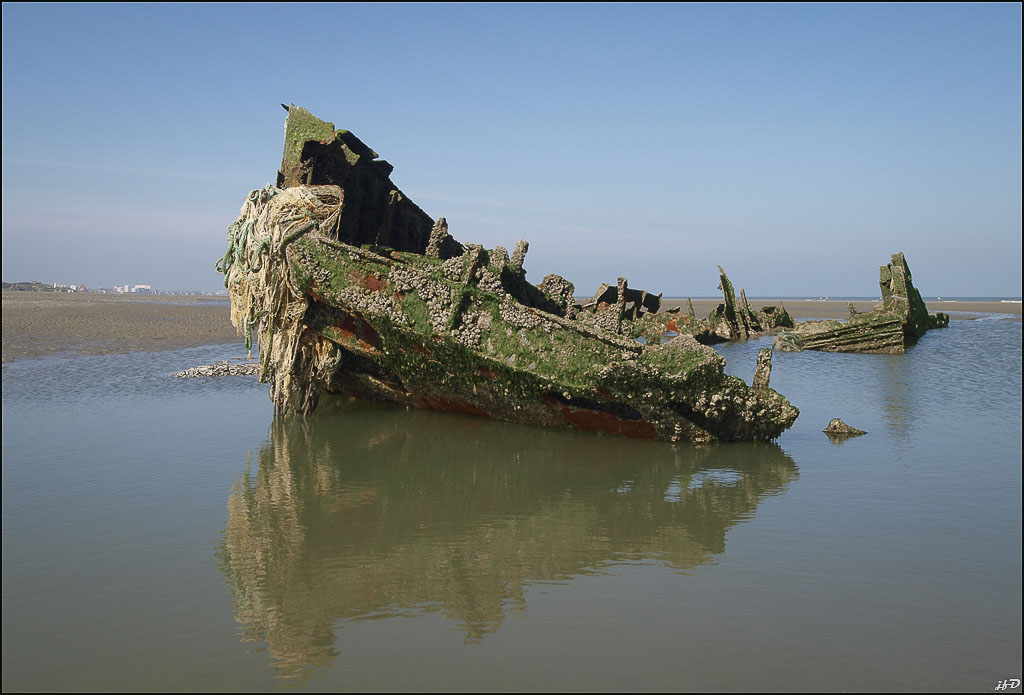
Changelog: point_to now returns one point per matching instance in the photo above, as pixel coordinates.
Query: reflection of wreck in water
(367, 518)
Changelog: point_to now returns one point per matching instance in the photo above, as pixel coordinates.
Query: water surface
(164, 534)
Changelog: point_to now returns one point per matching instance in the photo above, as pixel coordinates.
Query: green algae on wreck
(352, 289)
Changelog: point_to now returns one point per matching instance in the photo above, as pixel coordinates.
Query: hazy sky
(798, 146)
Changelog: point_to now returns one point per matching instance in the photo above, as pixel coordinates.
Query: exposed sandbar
(36, 324)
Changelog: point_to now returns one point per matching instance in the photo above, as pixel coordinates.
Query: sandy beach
(36, 324)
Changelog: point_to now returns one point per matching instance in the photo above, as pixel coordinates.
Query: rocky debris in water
(220, 369)
(358, 307)
(838, 429)
(763, 371)
(901, 320)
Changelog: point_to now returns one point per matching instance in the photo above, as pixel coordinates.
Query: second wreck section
(386, 305)
(899, 322)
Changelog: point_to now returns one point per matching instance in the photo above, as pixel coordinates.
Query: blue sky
(798, 146)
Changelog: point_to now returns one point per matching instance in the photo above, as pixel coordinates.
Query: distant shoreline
(37, 324)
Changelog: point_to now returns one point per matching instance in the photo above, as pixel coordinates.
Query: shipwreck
(351, 288)
(898, 323)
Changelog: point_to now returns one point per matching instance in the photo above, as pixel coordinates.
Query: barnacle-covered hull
(428, 326)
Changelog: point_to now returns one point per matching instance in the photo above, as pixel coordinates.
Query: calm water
(163, 534)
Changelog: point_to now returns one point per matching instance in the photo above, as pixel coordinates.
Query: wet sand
(36, 324)
(953, 307)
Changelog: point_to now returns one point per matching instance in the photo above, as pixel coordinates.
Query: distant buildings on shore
(59, 287)
(134, 289)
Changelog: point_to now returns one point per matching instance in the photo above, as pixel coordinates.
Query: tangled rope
(294, 360)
